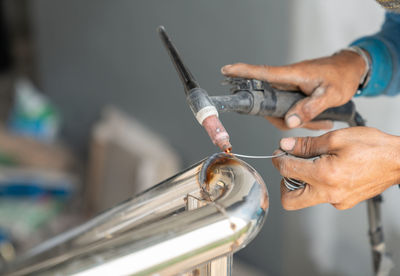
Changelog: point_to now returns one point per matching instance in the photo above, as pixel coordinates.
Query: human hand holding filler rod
(342, 167)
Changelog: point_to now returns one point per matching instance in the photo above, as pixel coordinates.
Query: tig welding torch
(249, 96)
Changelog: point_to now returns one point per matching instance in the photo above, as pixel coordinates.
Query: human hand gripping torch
(252, 97)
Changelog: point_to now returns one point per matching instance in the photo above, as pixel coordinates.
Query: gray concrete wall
(94, 53)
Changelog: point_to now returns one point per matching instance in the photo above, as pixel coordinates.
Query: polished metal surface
(154, 233)
(217, 267)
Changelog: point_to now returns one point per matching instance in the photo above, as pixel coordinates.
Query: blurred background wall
(90, 54)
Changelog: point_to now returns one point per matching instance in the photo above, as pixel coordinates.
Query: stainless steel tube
(155, 232)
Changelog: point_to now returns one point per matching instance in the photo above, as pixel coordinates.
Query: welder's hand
(328, 82)
(342, 167)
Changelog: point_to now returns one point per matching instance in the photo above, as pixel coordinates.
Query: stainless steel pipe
(157, 232)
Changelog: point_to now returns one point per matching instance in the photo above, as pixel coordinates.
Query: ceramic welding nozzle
(207, 116)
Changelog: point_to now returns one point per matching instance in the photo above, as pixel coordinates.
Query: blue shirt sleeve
(384, 50)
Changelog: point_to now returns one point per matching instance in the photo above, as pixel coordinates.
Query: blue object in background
(33, 115)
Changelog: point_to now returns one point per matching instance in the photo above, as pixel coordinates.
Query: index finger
(302, 169)
(313, 125)
(274, 74)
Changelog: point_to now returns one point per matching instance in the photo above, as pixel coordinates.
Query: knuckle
(334, 97)
(336, 195)
(375, 132)
(325, 180)
(340, 206)
(328, 176)
(283, 168)
(265, 69)
(305, 66)
(313, 108)
(331, 138)
(307, 145)
(320, 175)
(308, 110)
(319, 92)
(293, 69)
(344, 205)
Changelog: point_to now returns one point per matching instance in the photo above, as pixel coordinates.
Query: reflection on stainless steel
(157, 232)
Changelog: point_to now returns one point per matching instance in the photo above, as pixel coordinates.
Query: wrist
(365, 59)
(381, 74)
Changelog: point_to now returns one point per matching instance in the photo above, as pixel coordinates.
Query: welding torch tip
(228, 148)
(224, 144)
(217, 133)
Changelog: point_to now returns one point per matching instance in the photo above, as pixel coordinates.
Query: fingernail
(287, 144)
(223, 69)
(293, 121)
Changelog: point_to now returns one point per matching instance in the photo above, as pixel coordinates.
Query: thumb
(306, 147)
(308, 108)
